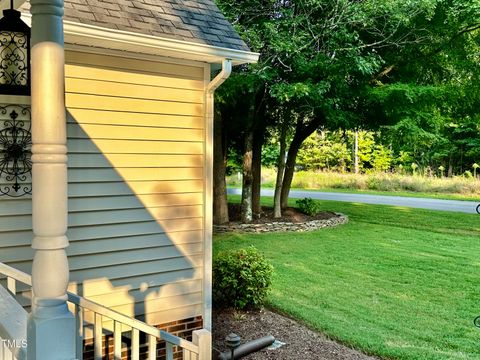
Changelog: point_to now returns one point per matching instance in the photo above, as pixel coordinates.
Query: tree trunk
(220, 204)
(277, 208)
(355, 152)
(247, 178)
(289, 171)
(450, 167)
(258, 138)
(302, 131)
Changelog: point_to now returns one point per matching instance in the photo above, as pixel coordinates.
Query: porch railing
(103, 321)
(13, 328)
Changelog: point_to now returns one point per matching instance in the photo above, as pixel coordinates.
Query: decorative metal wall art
(15, 120)
(15, 150)
(14, 54)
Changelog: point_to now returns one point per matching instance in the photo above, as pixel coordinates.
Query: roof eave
(90, 35)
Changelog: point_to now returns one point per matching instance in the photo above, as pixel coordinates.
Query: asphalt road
(422, 203)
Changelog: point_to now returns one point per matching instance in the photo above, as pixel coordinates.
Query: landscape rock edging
(311, 225)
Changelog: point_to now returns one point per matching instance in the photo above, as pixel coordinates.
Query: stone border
(312, 225)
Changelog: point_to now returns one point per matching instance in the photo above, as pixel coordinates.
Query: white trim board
(86, 35)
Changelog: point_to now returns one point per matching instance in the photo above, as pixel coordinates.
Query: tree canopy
(406, 68)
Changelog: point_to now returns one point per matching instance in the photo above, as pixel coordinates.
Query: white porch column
(51, 327)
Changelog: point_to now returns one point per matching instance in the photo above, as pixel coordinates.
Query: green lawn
(396, 282)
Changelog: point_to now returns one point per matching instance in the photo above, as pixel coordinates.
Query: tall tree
(337, 63)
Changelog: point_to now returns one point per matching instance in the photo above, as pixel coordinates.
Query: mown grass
(400, 283)
(378, 183)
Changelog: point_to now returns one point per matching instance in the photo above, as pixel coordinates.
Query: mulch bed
(300, 342)
(288, 215)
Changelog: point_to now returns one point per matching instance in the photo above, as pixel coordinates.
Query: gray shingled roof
(197, 21)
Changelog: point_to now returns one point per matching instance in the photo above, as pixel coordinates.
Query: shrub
(309, 206)
(241, 278)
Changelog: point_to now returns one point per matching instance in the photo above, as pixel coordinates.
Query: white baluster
(152, 347)
(97, 337)
(117, 341)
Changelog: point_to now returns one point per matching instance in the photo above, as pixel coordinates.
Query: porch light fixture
(15, 119)
(14, 54)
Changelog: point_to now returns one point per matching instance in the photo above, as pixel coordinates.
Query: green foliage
(324, 150)
(410, 68)
(234, 162)
(241, 278)
(468, 174)
(441, 168)
(270, 152)
(332, 150)
(366, 144)
(404, 158)
(309, 206)
(382, 158)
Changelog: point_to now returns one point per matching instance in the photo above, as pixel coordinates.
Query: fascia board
(98, 37)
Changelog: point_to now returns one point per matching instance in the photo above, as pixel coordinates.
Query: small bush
(241, 278)
(309, 206)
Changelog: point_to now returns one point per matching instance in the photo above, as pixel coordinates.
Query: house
(136, 76)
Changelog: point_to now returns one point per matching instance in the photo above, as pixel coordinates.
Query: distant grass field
(458, 188)
(397, 282)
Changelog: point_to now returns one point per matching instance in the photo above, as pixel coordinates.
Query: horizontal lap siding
(145, 122)
(136, 187)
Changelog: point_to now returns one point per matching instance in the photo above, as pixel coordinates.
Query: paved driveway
(422, 203)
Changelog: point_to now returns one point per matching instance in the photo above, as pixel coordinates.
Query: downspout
(209, 111)
(219, 79)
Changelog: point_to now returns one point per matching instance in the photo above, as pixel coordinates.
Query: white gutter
(207, 263)
(99, 37)
(221, 77)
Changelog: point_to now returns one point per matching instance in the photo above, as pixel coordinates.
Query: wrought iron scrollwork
(15, 150)
(13, 58)
(14, 54)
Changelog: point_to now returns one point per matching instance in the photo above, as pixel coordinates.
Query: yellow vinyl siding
(112, 146)
(135, 161)
(137, 67)
(117, 298)
(133, 132)
(120, 104)
(112, 75)
(89, 116)
(141, 187)
(146, 120)
(136, 146)
(85, 247)
(100, 288)
(128, 90)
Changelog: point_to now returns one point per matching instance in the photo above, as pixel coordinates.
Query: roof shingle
(197, 21)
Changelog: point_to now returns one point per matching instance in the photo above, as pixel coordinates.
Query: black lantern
(14, 54)
(15, 119)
